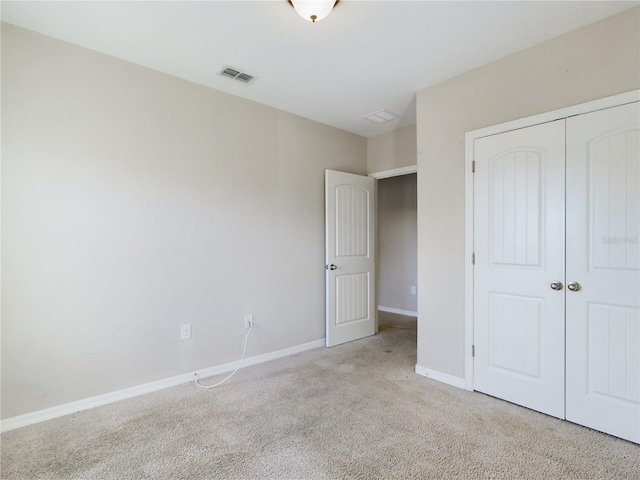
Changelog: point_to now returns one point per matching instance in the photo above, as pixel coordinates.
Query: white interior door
(519, 252)
(603, 257)
(350, 257)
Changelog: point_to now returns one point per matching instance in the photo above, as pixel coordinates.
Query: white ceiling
(366, 56)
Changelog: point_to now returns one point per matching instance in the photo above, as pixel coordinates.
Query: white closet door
(603, 257)
(519, 247)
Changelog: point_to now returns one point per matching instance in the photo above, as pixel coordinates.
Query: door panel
(603, 231)
(515, 185)
(350, 256)
(352, 217)
(519, 245)
(352, 298)
(612, 368)
(514, 326)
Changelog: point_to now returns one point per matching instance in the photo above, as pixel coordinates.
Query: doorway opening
(397, 245)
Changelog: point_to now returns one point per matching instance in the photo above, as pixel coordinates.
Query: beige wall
(134, 202)
(593, 62)
(392, 150)
(397, 242)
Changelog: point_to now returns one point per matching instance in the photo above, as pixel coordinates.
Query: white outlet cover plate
(185, 332)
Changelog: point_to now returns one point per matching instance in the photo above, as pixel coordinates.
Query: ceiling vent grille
(381, 116)
(235, 74)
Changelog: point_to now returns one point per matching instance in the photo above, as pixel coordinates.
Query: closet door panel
(519, 247)
(603, 251)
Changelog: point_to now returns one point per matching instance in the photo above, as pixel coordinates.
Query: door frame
(394, 172)
(470, 137)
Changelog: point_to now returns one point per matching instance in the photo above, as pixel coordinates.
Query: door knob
(330, 267)
(574, 286)
(556, 286)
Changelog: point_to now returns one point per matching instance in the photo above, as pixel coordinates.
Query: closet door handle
(574, 286)
(556, 286)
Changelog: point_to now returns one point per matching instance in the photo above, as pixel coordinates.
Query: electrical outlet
(413, 290)
(185, 331)
(248, 321)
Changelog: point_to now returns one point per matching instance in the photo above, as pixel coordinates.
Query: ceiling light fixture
(313, 10)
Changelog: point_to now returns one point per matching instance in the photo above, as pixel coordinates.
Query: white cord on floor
(244, 349)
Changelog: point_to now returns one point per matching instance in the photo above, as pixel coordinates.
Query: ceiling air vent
(231, 72)
(381, 116)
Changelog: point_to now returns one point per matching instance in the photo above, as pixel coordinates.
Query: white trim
(470, 137)
(399, 311)
(468, 267)
(395, 172)
(92, 402)
(377, 253)
(580, 109)
(441, 377)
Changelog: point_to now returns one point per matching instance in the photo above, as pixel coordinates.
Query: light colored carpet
(353, 411)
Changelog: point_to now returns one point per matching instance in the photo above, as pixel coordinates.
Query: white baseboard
(441, 377)
(399, 311)
(87, 403)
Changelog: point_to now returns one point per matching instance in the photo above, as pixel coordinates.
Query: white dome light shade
(313, 10)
